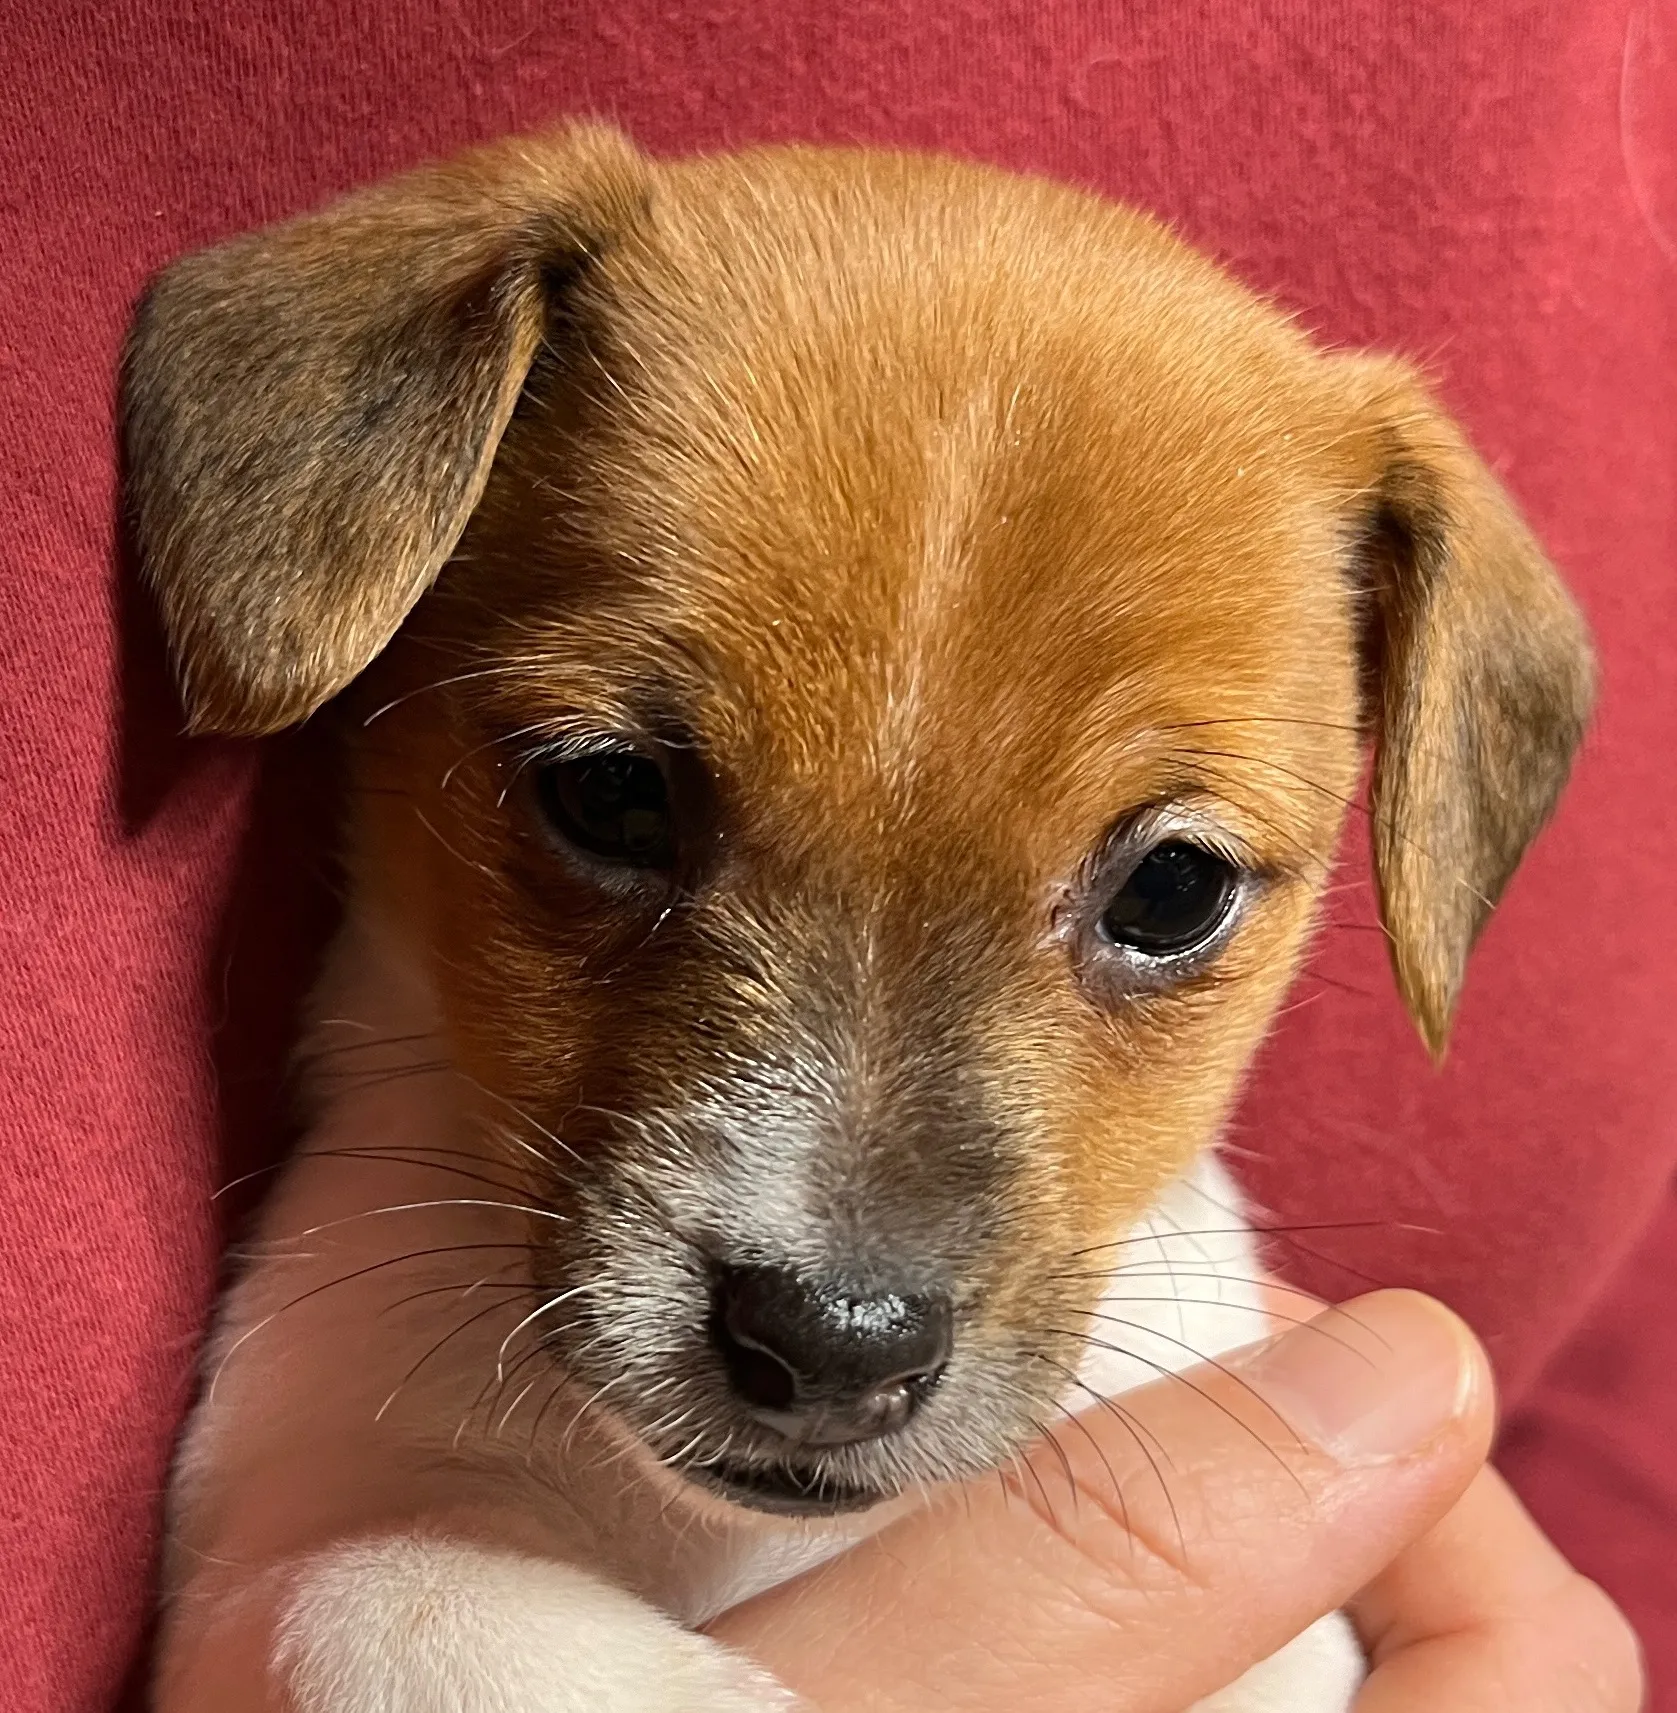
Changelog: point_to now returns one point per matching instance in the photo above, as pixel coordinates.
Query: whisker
(1030, 1469)
(1169, 1373)
(1336, 926)
(447, 1338)
(528, 1386)
(1065, 1462)
(493, 1389)
(677, 1458)
(347, 1079)
(524, 1117)
(503, 669)
(1227, 1231)
(1261, 720)
(344, 1279)
(1292, 1242)
(588, 1404)
(419, 1206)
(470, 862)
(478, 749)
(552, 1398)
(1250, 1308)
(1132, 1426)
(484, 1284)
(376, 1155)
(546, 1308)
(1350, 803)
(1353, 988)
(1106, 1463)
(1150, 1270)
(309, 1055)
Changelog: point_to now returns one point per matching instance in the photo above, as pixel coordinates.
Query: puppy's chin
(801, 1487)
(783, 1489)
(794, 1486)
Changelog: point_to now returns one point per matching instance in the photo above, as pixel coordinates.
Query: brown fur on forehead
(854, 418)
(950, 527)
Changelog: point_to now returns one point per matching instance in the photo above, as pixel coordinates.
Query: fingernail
(1378, 1379)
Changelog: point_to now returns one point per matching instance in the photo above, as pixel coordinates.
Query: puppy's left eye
(1175, 900)
(613, 805)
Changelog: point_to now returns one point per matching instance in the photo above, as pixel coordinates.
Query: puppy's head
(885, 652)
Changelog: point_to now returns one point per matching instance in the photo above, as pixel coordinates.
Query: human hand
(1340, 1465)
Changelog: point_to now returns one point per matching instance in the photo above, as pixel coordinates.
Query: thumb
(1152, 1550)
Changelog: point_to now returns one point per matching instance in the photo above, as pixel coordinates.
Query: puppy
(857, 666)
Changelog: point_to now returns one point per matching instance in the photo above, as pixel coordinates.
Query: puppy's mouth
(784, 1490)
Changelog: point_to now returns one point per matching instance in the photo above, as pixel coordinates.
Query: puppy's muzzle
(822, 1362)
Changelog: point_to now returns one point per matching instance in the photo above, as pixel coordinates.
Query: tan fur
(934, 523)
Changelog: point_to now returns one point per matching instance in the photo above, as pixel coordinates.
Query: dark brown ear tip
(208, 716)
(1431, 1004)
(1436, 1031)
(211, 720)
(229, 699)
(217, 720)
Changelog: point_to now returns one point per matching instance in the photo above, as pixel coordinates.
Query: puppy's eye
(1174, 901)
(613, 805)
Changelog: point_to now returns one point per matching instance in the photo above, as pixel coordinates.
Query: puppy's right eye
(613, 805)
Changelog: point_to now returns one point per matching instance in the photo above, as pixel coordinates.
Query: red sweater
(1490, 186)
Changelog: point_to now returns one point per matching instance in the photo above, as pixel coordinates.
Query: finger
(1153, 1550)
(1482, 1614)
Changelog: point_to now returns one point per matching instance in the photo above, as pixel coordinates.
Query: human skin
(1340, 1464)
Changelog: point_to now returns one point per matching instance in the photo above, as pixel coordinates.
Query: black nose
(824, 1364)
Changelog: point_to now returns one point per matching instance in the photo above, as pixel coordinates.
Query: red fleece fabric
(1488, 185)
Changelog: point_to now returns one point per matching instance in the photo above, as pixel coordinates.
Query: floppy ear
(310, 413)
(1481, 682)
